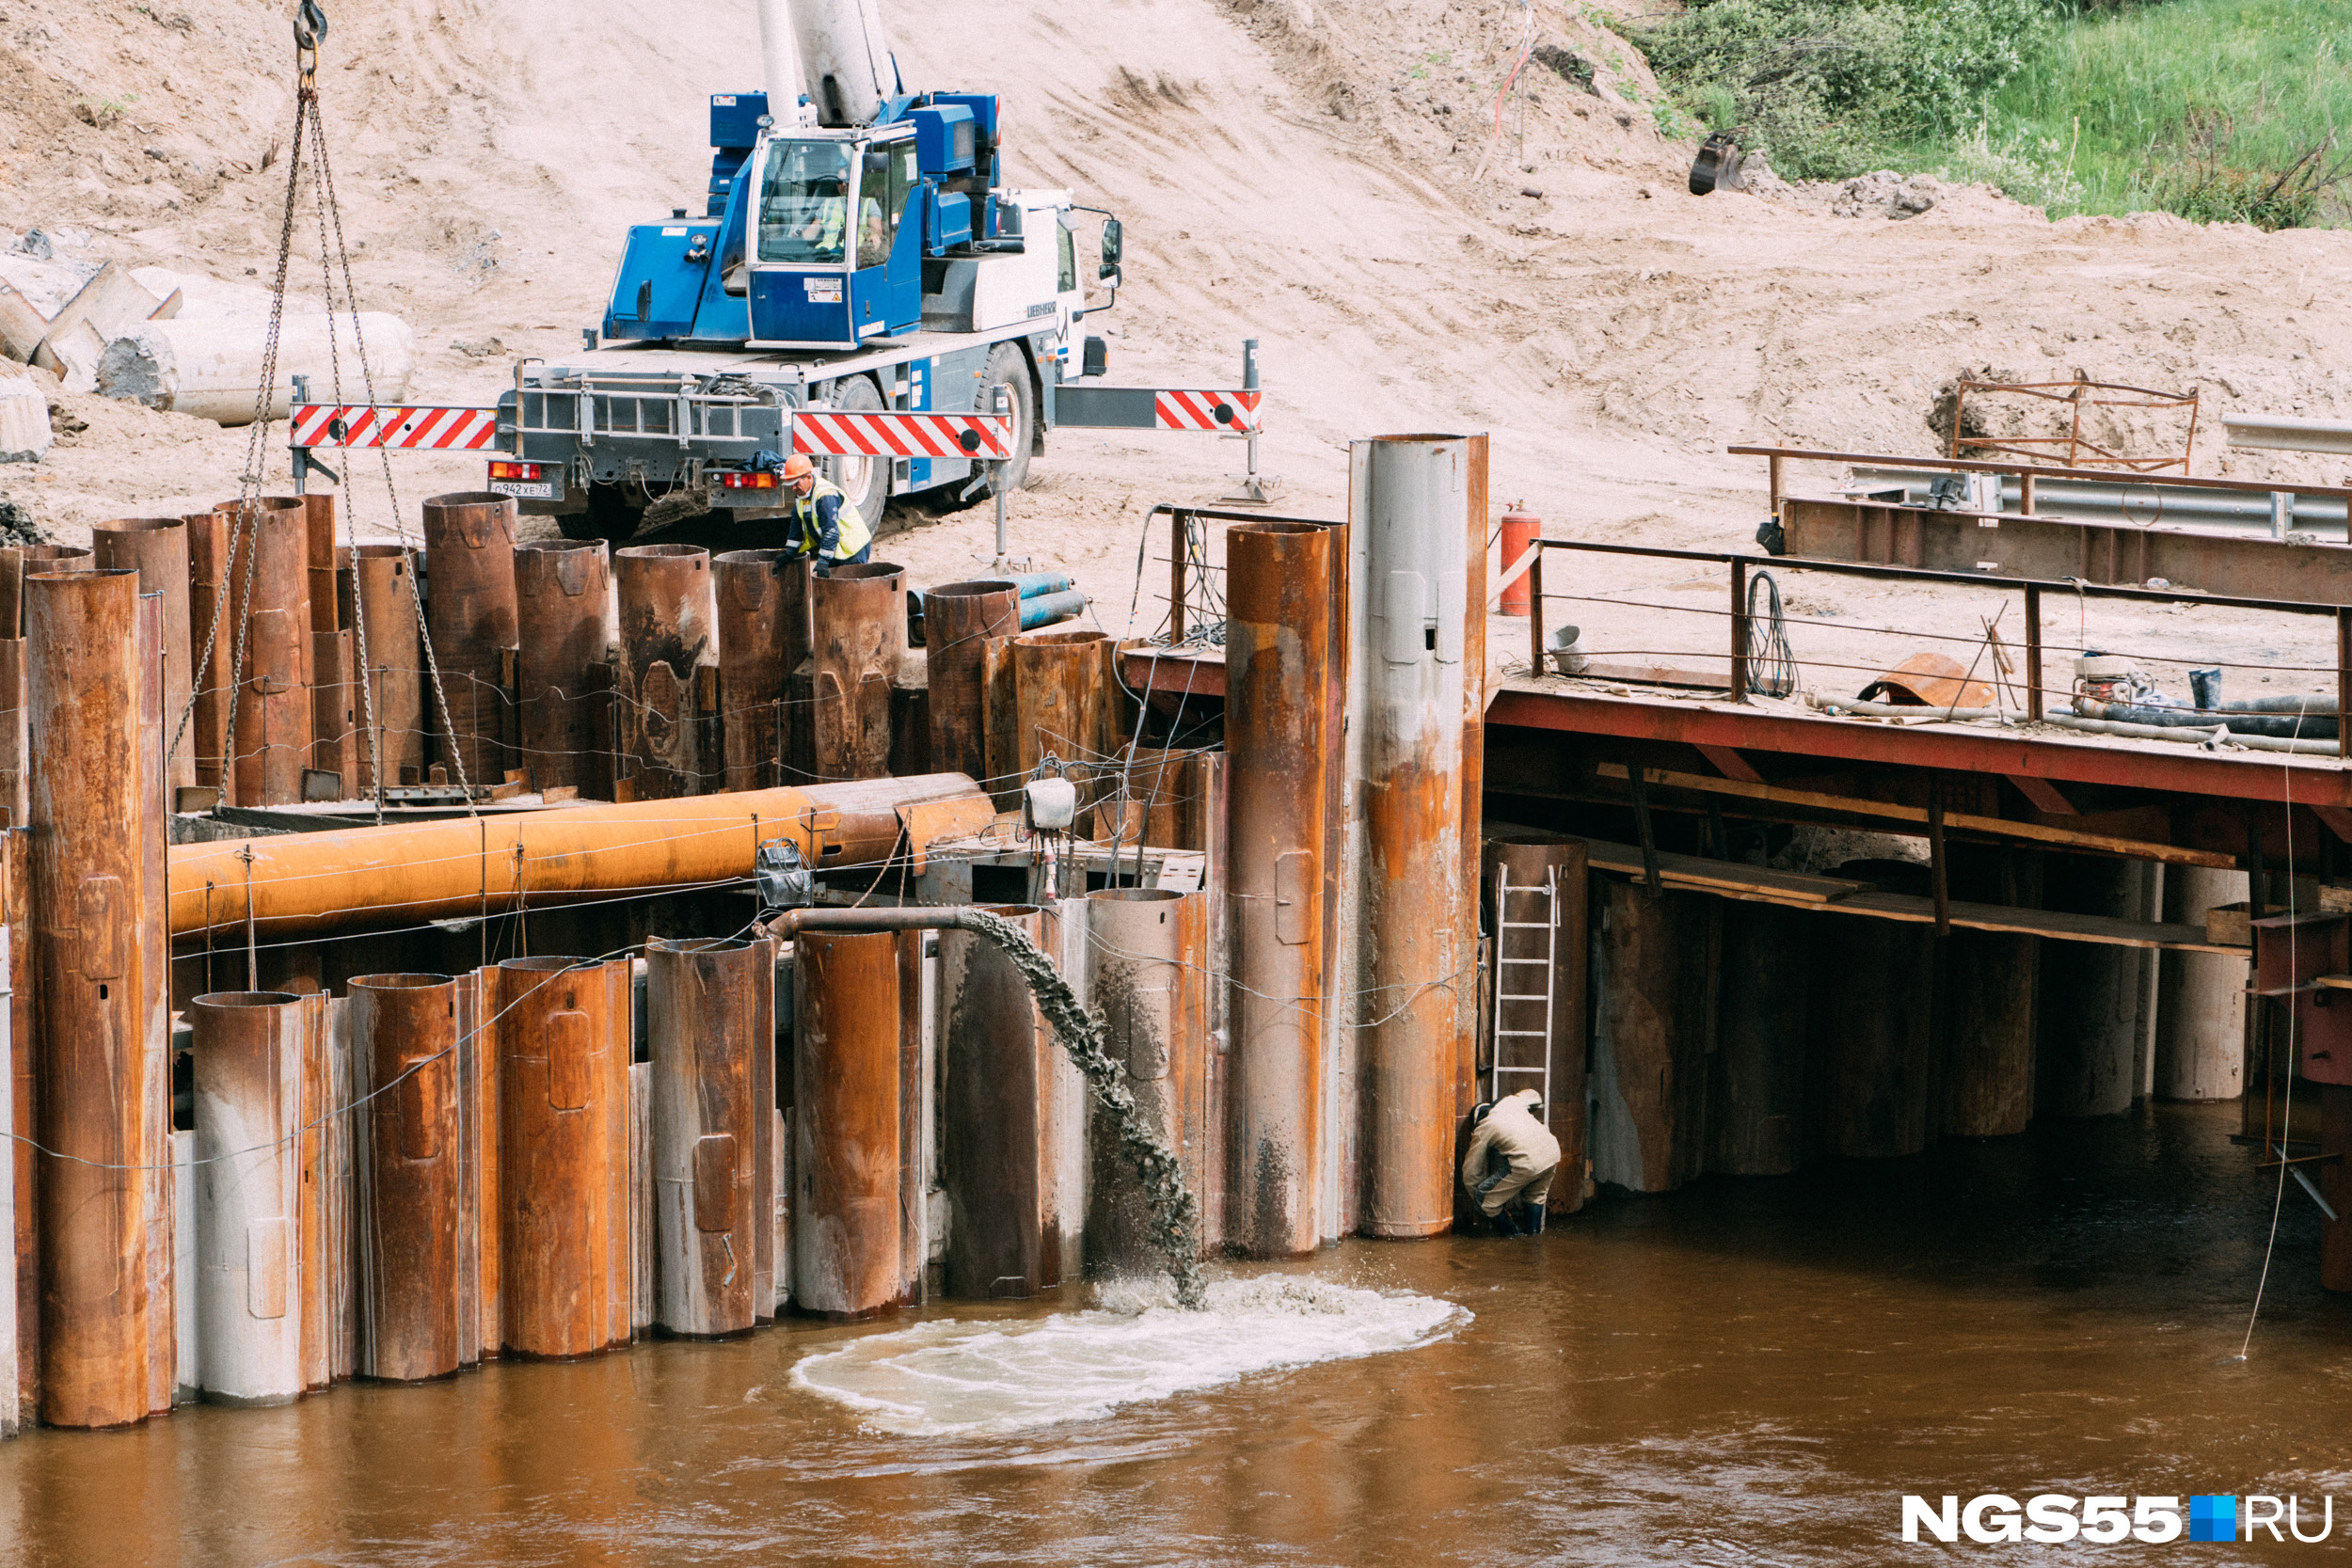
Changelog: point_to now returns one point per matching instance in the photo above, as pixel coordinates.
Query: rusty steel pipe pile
(408, 1201)
(710, 1026)
(248, 1194)
(669, 618)
(157, 549)
(1062, 683)
(384, 611)
(562, 591)
(1282, 735)
(470, 617)
(1148, 976)
(960, 619)
(334, 700)
(1013, 1120)
(91, 662)
(268, 687)
(858, 618)
(763, 636)
(851, 993)
(1417, 531)
(564, 1253)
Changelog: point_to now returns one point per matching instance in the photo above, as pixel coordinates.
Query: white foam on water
(953, 1378)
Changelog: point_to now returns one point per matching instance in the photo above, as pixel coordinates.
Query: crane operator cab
(830, 238)
(835, 262)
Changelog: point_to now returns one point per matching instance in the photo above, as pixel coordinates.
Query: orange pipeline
(405, 873)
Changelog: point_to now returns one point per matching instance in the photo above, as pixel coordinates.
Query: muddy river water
(1741, 1372)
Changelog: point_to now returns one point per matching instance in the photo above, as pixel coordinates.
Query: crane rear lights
(729, 480)
(528, 473)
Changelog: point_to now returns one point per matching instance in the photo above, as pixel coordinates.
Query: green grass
(2196, 106)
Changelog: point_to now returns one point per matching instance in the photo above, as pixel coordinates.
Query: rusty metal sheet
(1147, 955)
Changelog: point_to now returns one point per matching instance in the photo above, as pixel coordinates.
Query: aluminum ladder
(1545, 895)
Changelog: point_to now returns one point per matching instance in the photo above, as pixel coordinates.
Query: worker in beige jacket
(1511, 1157)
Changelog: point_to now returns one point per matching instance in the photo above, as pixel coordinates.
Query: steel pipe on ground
(93, 814)
(960, 619)
(1147, 976)
(1282, 735)
(410, 1191)
(248, 1173)
(1014, 1119)
(470, 616)
(1550, 878)
(850, 993)
(1408, 917)
(668, 621)
(710, 1026)
(384, 595)
(157, 549)
(264, 652)
(303, 884)
(562, 591)
(859, 637)
(562, 1101)
(763, 636)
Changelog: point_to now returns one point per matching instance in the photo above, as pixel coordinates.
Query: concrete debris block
(108, 305)
(25, 433)
(1886, 194)
(211, 299)
(211, 367)
(48, 285)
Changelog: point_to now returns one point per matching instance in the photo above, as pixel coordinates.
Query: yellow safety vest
(805, 534)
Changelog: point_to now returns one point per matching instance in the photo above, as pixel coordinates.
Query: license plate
(524, 490)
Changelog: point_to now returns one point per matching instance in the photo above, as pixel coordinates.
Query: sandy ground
(1319, 174)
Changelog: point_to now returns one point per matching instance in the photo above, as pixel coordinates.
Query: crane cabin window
(882, 204)
(804, 203)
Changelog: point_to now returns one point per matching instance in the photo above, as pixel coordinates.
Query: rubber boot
(1532, 1219)
(1503, 1224)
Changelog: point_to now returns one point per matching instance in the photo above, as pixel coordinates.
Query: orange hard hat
(797, 467)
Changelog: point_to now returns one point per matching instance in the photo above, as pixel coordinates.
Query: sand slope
(1296, 170)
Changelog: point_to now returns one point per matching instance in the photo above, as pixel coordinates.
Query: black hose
(2289, 723)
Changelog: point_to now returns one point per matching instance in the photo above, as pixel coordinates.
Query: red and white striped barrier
(1214, 411)
(327, 424)
(985, 438)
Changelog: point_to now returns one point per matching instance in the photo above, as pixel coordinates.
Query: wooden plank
(2003, 826)
(2055, 924)
(1692, 871)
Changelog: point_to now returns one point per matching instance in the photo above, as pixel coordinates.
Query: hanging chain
(391, 493)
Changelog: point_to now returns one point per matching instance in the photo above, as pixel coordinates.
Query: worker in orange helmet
(821, 521)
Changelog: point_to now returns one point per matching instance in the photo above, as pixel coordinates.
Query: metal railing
(2032, 590)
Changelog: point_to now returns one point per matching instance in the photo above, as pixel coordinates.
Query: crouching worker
(1511, 1161)
(821, 522)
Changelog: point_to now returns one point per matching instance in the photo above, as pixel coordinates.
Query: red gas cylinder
(1520, 530)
